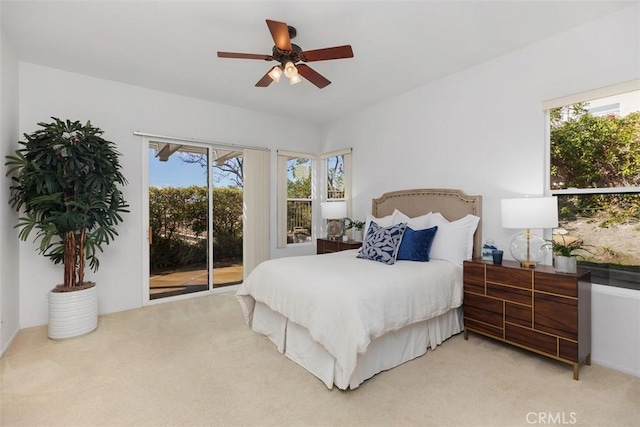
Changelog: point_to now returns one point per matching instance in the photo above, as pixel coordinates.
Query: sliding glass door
(195, 218)
(179, 225)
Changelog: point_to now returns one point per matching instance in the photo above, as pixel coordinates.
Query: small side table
(326, 246)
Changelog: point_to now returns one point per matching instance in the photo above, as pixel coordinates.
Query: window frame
(547, 106)
(283, 197)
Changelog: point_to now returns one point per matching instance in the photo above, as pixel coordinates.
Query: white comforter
(345, 302)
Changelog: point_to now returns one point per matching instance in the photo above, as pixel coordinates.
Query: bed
(345, 319)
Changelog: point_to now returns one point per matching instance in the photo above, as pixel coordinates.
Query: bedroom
(500, 100)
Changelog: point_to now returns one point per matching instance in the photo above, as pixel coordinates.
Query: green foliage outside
(299, 214)
(596, 152)
(590, 151)
(178, 221)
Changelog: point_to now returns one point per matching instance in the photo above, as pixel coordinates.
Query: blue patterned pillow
(416, 244)
(381, 243)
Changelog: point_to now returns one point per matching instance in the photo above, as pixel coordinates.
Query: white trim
(615, 291)
(607, 190)
(603, 92)
(295, 154)
(4, 349)
(198, 141)
(336, 153)
(146, 267)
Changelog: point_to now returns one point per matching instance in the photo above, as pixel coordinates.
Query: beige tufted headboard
(452, 204)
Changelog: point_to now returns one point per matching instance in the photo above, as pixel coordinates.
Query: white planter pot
(565, 264)
(72, 314)
(357, 235)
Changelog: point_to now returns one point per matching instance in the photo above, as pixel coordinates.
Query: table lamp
(334, 213)
(529, 213)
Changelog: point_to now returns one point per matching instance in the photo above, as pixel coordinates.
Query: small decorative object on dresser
(536, 309)
(356, 228)
(564, 251)
(325, 246)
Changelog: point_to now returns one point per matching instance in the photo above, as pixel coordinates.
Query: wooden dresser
(326, 246)
(536, 309)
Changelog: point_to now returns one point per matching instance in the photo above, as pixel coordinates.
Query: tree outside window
(299, 200)
(595, 172)
(335, 177)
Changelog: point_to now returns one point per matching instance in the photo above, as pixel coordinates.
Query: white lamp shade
(333, 210)
(275, 74)
(290, 69)
(530, 212)
(295, 80)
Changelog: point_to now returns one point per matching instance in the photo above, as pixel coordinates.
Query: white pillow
(416, 223)
(385, 221)
(437, 218)
(454, 240)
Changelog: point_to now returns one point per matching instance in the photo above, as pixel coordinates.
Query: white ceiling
(171, 45)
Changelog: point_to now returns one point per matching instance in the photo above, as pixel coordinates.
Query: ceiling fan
(290, 55)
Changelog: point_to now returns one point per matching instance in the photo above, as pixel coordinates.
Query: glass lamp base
(529, 249)
(334, 229)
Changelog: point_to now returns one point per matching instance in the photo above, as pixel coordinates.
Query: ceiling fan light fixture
(295, 80)
(290, 69)
(275, 74)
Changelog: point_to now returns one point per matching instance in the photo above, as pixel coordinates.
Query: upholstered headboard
(452, 204)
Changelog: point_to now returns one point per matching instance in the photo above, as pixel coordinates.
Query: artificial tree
(66, 182)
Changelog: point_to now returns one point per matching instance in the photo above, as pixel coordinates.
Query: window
(298, 191)
(295, 198)
(594, 169)
(335, 177)
(336, 180)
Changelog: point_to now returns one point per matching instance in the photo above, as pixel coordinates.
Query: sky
(176, 173)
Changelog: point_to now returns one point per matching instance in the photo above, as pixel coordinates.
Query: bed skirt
(386, 352)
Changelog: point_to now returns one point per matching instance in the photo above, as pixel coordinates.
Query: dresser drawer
(483, 328)
(520, 314)
(556, 315)
(510, 276)
(487, 310)
(473, 275)
(568, 350)
(556, 284)
(531, 339)
(509, 293)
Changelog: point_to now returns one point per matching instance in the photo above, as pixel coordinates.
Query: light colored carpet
(195, 363)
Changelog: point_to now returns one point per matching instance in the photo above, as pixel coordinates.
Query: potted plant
(66, 183)
(356, 227)
(564, 252)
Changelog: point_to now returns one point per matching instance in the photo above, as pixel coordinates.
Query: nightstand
(326, 246)
(537, 309)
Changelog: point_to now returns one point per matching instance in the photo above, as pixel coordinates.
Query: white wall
(120, 110)
(482, 130)
(9, 279)
(615, 315)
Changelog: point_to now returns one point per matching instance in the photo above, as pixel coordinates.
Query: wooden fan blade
(265, 80)
(244, 56)
(313, 76)
(280, 34)
(337, 52)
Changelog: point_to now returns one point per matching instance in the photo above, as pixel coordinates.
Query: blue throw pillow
(416, 244)
(381, 243)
